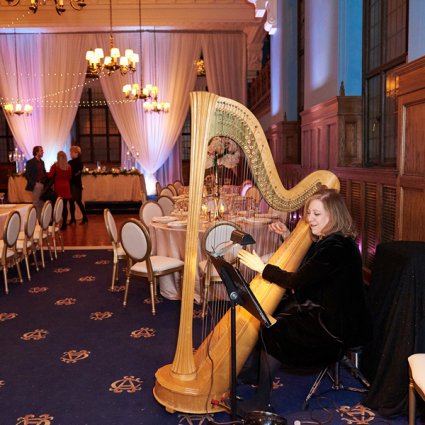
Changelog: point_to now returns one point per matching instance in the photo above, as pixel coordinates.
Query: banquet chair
(54, 228)
(25, 244)
(173, 189)
(416, 382)
(41, 232)
(158, 188)
(167, 192)
(9, 255)
(148, 211)
(166, 203)
(216, 238)
(246, 184)
(178, 185)
(119, 253)
(137, 244)
(253, 193)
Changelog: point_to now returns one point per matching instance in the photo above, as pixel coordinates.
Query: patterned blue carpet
(72, 355)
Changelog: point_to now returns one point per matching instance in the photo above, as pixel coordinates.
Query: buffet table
(99, 188)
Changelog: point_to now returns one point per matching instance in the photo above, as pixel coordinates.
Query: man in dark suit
(36, 175)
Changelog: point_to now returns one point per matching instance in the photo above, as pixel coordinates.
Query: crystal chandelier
(18, 108)
(59, 5)
(114, 61)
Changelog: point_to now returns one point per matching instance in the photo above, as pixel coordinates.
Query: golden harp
(195, 378)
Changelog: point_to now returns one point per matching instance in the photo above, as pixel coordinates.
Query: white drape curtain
(153, 135)
(225, 64)
(51, 77)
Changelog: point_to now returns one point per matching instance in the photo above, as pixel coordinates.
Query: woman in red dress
(60, 172)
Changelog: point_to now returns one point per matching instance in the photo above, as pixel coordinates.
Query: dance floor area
(72, 355)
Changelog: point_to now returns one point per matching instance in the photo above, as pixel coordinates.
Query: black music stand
(239, 294)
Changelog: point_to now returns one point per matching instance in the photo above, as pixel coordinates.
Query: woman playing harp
(326, 312)
(196, 378)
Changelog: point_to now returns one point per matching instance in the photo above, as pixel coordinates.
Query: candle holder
(18, 158)
(130, 160)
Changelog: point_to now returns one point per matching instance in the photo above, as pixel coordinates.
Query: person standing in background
(60, 172)
(36, 175)
(76, 184)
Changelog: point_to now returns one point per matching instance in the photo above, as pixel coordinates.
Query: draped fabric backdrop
(51, 81)
(52, 76)
(225, 64)
(154, 135)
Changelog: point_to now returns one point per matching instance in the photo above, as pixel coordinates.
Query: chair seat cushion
(120, 251)
(20, 244)
(51, 229)
(417, 367)
(9, 253)
(159, 264)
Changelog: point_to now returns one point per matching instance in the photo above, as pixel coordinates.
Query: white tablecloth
(6, 208)
(170, 242)
(106, 188)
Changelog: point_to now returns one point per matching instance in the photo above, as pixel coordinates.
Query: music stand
(239, 293)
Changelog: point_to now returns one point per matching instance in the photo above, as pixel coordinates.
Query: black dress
(77, 188)
(325, 313)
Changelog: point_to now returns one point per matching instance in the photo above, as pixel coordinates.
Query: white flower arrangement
(222, 152)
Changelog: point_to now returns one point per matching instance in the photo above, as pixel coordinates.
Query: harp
(195, 378)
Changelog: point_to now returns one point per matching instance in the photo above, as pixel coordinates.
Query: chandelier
(149, 93)
(114, 61)
(17, 108)
(59, 5)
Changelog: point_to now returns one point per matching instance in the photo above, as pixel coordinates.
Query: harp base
(184, 396)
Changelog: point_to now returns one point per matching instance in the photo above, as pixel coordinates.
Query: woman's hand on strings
(251, 260)
(279, 228)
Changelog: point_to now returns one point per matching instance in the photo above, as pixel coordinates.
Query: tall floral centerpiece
(222, 153)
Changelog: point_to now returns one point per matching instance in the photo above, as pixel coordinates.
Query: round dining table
(5, 209)
(169, 239)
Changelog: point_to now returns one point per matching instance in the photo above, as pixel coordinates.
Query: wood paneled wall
(331, 138)
(411, 151)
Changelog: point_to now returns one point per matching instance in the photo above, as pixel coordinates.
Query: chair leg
(206, 290)
(6, 288)
(55, 250)
(114, 275)
(34, 254)
(412, 403)
(127, 284)
(18, 268)
(27, 264)
(152, 290)
(49, 247)
(61, 241)
(43, 264)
